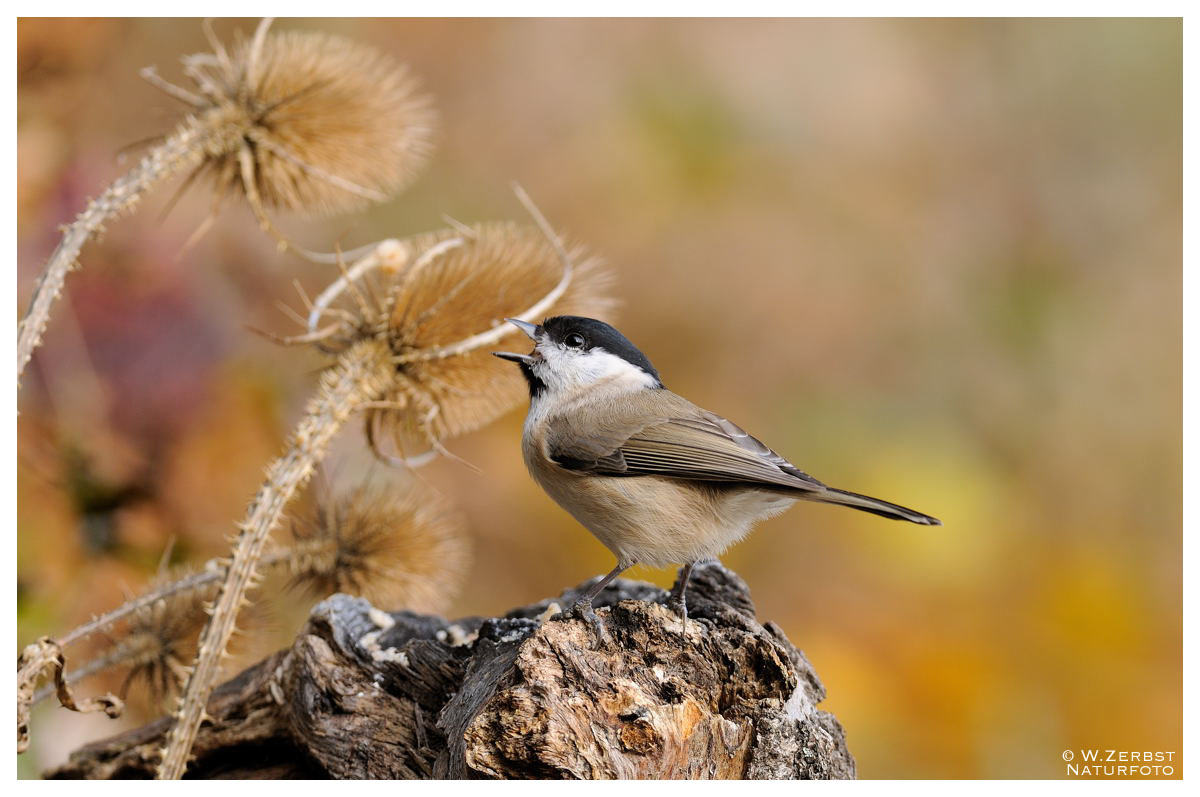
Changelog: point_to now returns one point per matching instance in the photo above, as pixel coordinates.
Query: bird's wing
(655, 432)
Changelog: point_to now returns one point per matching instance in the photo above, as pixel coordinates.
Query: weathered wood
(366, 694)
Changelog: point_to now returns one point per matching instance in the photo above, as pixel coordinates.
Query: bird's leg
(583, 605)
(677, 602)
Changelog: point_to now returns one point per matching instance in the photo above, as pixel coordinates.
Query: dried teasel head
(397, 547)
(306, 121)
(161, 639)
(497, 272)
(438, 302)
(296, 121)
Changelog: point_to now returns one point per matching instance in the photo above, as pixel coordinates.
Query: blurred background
(934, 261)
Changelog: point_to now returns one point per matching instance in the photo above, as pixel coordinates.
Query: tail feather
(875, 506)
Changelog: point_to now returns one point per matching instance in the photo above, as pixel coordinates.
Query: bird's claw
(582, 610)
(679, 607)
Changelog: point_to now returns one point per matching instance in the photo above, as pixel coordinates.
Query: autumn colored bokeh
(934, 261)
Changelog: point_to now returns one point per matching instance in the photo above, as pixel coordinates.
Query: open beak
(529, 329)
(517, 358)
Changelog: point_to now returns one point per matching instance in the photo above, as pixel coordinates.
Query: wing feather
(658, 433)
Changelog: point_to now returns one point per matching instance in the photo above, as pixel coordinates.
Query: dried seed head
(435, 304)
(161, 640)
(399, 548)
(308, 121)
(498, 271)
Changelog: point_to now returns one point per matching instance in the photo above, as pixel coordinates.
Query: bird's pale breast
(655, 520)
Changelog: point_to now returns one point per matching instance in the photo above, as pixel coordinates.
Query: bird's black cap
(598, 335)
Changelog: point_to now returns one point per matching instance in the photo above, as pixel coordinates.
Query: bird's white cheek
(565, 370)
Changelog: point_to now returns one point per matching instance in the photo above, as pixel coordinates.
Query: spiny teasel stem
(28, 677)
(183, 150)
(360, 375)
(212, 573)
(122, 653)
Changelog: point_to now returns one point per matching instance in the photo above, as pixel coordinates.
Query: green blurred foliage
(935, 261)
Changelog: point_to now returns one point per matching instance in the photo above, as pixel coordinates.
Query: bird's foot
(582, 610)
(677, 600)
(679, 606)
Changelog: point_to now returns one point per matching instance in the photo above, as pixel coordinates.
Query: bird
(657, 479)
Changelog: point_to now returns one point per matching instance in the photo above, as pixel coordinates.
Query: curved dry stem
(184, 149)
(331, 258)
(215, 43)
(410, 463)
(46, 654)
(192, 67)
(388, 254)
(151, 76)
(213, 571)
(427, 257)
(49, 651)
(361, 374)
(498, 331)
(256, 46)
(296, 340)
(249, 178)
(391, 460)
(98, 665)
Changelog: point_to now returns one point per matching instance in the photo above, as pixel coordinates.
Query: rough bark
(366, 694)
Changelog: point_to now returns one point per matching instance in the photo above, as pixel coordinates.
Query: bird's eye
(574, 340)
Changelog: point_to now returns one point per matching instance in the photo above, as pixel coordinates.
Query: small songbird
(657, 479)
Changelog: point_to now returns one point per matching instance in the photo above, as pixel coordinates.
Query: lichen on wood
(367, 694)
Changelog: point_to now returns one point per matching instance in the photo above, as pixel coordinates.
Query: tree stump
(366, 694)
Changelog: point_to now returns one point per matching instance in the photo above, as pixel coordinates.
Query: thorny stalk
(295, 121)
(48, 649)
(360, 375)
(361, 544)
(213, 572)
(185, 149)
(359, 379)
